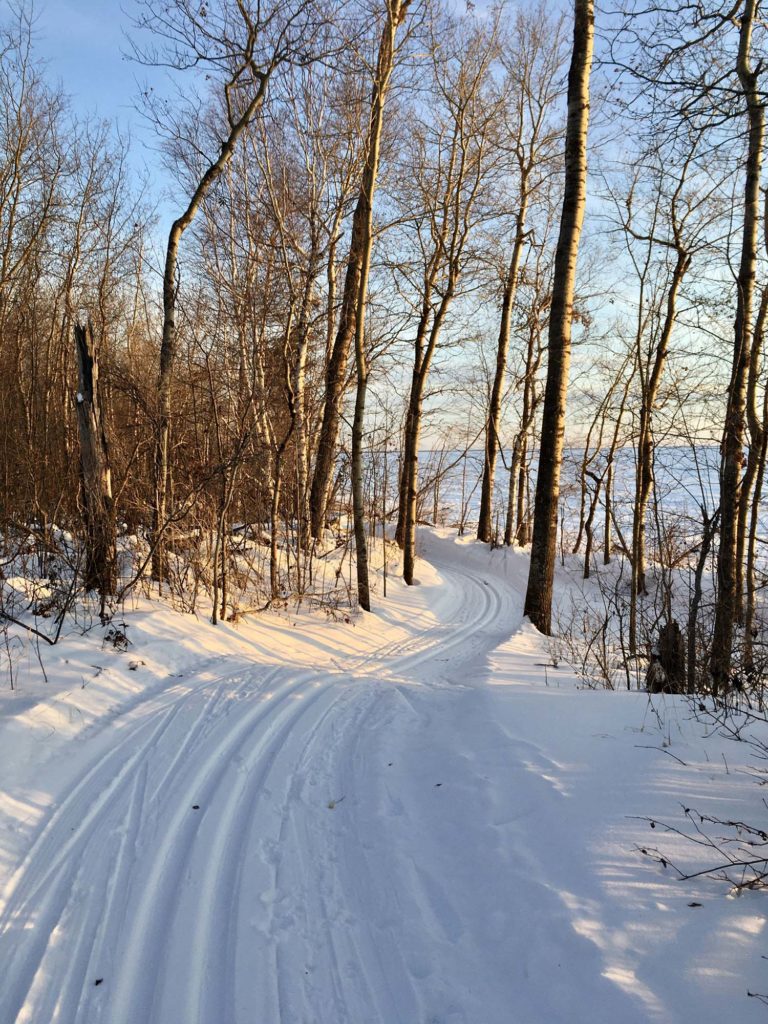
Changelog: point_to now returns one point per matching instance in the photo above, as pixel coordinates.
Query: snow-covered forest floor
(411, 817)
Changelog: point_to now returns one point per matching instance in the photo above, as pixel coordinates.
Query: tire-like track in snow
(202, 870)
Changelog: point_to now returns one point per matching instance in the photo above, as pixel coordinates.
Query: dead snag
(95, 475)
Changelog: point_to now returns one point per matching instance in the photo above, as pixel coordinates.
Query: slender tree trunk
(411, 475)
(708, 533)
(607, 523)
(517, 522)
(494, 410)
(424, 346)
(335, 381)
(355, 287)
(726, 609)
(756, 431)
(279, 454)
(644, 477)
(589, 525)
(588, 457)
(298, 406)
(162, 467)
(750, 631)
(410, 483)
(607, 538)
(95, 473)
(583, 488)
(274, 527)
(514, 465)
(538, 599)
(450, 220)
(363, 222)
(523, 493)
(358, 493)
(749, 613)
(759, 438)
(406, 460)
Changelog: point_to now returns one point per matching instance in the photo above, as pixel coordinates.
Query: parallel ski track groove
(54, 882)
(146, 938)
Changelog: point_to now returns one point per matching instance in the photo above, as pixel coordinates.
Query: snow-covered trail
(212, 862)
(381, 838)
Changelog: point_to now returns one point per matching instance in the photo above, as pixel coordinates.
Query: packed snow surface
(410, 818)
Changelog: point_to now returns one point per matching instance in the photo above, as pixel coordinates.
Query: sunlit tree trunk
(538, 599)
(362, 232)
(728, 598)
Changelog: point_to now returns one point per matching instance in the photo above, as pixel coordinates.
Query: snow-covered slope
(410, 819)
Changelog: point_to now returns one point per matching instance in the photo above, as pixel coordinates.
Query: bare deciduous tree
(538, 598)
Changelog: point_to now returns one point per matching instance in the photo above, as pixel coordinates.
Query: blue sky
(82, 41)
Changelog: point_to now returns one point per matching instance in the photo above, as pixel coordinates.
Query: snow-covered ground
(410, 818)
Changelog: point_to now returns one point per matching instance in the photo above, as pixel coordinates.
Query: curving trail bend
(238, 853)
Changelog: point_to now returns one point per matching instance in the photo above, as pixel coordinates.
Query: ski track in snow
(213, 915)
(378, 842)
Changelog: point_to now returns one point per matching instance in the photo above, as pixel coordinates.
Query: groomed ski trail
(216, 863)
(412, 819)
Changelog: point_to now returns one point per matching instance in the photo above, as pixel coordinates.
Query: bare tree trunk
(538, 598)
(748, 484)
(708, 533)
(297, 405)
(358, 493)
(583, 488)
(589, 523)
(514, 468)
(279, 454)
(759, 438)
(162, 466)
(645, 461)
(602, 480)
(335, 380)
(363, 236)
(411, 479)
(450, 180)
(95, 474)
(607, 538)
(726, 609)
(336, 370)
(494, 409)
(274, 520)
(523, 493)
(749, 615)
(607, 541)
(516, 528)
(402, 478)
(585, 472)
(409, 485)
